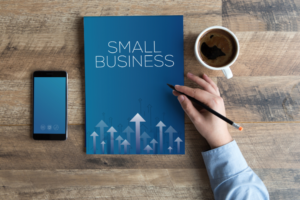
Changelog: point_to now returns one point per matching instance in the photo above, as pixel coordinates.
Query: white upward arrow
(170, 149)
(112, 130)
(119, 138)
(178, 140)
(171, 130)
(161, 125)
(103, 143)
(137, 119)
(94, 135)
(148, 148)
(153, 142)
(125, 143)
(101, 125)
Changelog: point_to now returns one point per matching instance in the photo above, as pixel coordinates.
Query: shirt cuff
(224, 161)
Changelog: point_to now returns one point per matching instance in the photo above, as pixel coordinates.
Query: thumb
(189, 109)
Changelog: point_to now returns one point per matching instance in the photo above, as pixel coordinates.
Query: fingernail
(181, 98)
(205, 75)
(190, 74)
(176, 86)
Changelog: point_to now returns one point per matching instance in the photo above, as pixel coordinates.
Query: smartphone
(50, 105)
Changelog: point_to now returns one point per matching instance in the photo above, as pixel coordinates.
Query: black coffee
(217, 48)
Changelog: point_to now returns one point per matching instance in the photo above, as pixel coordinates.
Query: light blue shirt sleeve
(230, 176)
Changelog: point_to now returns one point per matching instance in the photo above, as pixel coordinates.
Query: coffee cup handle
(227, 72)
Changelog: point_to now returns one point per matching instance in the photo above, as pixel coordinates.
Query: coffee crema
(217, 48)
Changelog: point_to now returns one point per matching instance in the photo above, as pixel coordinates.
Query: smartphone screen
(50, 105)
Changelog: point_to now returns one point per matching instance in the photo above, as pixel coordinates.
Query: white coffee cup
(226, 69)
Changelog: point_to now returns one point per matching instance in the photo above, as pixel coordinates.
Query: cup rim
(197, 52)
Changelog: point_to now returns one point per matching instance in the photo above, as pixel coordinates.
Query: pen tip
(171, 86)
(240, 128)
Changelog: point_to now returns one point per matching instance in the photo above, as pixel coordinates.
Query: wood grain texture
(49, 36)
(132, 184)
(16, 101)
(20, 151)
(105, 184)
(261, 54)
(257, 99)
(257, 15)
(264, 145)
(247, 99)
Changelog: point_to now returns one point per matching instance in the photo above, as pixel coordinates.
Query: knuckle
(218, 100)
(206, 86)
(194, 92)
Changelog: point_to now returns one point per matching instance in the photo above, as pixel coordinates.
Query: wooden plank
(282, 184)
(131, 184)
(261, 54)
(247, 99)
(271, 145)
(264, 145)
(256, 99)
(16, 101)
(20, 151)
(49, 36)
(255, 15)
(102, 184)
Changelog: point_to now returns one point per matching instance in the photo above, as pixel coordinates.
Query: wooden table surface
(263, 96)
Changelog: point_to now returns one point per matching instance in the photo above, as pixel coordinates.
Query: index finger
(203, 83)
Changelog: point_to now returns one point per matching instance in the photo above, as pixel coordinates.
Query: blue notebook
(129, 107)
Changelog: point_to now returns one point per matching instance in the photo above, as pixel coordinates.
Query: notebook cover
(128, 62)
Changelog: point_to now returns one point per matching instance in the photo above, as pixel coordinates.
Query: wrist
(219, 141)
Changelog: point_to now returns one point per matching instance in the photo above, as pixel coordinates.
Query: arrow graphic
(161, 125)
(125, 143)
(170, 149)
(153, 142)
(101, 125)
(128, 130)
(119, 138)
(94, 135)
(148, 148)
(178, 140)
(171, 130)
(103, 143)
(112, 130)
(137, 119)
(145, 136)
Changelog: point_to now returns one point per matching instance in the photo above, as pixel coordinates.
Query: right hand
(211, 127)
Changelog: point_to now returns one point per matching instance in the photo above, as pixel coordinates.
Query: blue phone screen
(49, 105)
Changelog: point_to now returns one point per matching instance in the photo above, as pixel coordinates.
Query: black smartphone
(50, 105)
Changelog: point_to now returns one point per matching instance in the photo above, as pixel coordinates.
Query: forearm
(230, 176)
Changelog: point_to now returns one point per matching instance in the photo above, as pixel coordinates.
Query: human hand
(211, 127)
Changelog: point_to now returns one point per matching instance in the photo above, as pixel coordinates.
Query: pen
(209, 109)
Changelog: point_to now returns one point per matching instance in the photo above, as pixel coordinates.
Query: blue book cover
(128, 62)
